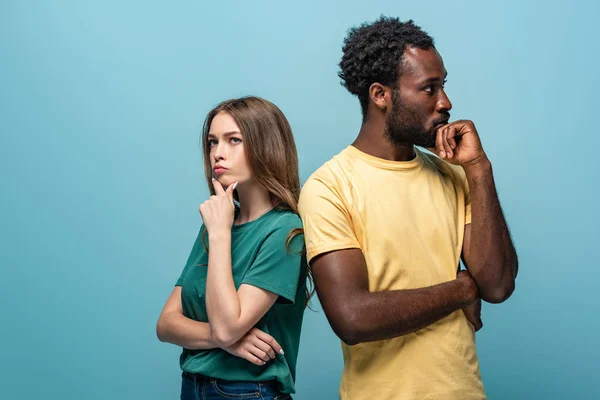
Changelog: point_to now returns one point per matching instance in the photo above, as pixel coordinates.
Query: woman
(247, 271)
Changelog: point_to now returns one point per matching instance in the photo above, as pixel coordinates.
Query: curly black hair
(373, 53)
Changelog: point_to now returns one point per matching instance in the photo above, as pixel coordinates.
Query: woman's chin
(225, 182)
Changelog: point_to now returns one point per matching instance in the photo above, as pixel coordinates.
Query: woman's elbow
(224, 337)
(161, 329)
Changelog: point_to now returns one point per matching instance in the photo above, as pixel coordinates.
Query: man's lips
(439, 124)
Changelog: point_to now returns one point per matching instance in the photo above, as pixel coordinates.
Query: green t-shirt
(259, 258)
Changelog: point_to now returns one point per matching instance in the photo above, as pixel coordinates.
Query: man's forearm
(492, 260)
(385, 315)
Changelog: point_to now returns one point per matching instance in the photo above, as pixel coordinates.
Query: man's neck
(371, 140)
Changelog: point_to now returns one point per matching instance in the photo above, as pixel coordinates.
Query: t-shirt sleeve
(326, 219)
(277, 267)
(193, 257)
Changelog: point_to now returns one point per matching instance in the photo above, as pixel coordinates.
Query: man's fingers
(477, 323)
(470, 318)
(473, 314)
(439, 147)
(451, 136)
(452, 143)
(446, 144)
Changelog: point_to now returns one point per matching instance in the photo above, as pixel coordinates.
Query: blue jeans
(200, 387)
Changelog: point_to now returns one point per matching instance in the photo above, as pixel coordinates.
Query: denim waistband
(200, 378)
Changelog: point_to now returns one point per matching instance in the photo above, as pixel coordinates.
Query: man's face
(419, 104)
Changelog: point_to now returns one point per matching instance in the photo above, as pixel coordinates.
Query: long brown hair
(270, 151)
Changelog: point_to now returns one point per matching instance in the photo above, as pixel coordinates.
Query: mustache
(442, 120)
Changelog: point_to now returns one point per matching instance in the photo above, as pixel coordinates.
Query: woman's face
(227, 156)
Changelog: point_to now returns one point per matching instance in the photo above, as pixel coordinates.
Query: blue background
(101, 105)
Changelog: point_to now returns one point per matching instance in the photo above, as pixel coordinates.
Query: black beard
(404, 126)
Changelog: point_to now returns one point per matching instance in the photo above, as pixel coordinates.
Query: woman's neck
(255, 201)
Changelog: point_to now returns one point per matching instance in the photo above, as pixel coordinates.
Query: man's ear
(379, 95)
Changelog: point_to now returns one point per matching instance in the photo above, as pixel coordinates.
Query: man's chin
(426, 140)
(415, 137)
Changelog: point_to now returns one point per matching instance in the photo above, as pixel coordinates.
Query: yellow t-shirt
(408, 218)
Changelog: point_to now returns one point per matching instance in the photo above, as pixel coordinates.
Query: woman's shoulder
(284, 218)
(286, 227)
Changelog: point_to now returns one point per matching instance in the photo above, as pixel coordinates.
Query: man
(386, 225)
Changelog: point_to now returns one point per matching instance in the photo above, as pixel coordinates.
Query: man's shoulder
(442, 167)
(335, 170)
(330, 181)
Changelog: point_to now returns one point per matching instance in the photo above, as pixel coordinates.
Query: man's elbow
(349, 330)
(347, 335)
(499, 293)
(350, 339)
